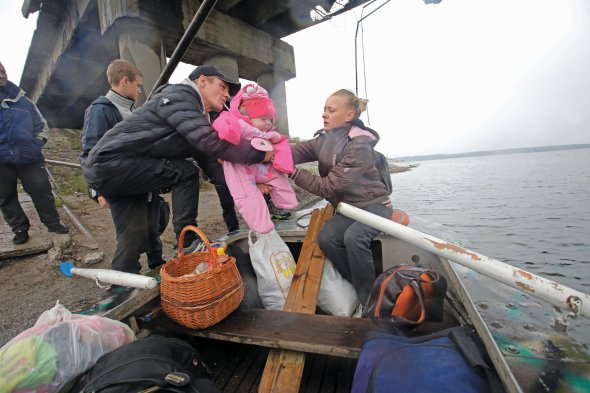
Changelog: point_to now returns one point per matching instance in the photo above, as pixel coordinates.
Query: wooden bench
(321, 334)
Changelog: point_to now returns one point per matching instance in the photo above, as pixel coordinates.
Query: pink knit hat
(255, 100)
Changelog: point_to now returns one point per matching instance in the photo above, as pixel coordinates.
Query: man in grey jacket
(147, 151)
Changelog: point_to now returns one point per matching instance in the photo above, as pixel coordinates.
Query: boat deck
(237, 349)
(238, 367)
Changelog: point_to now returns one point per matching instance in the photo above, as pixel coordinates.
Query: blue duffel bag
(448, 361)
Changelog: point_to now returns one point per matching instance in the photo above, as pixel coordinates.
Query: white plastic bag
(337, 296)
(60, 346)
(274, 266)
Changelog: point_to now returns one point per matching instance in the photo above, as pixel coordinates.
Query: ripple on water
(552, 274)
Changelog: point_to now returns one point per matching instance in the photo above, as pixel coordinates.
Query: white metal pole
(108, 276)
(542, 288)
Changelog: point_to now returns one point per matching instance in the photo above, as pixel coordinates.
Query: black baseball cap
(209, 70)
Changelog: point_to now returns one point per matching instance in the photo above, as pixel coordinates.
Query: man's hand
(264, 188)
(269, 156)
(103, 202)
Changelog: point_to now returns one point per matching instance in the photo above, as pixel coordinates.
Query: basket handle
(212, 255)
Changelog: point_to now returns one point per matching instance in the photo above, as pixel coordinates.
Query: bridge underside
(75, 40)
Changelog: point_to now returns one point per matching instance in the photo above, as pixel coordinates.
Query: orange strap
(382, 291)
(410, 305)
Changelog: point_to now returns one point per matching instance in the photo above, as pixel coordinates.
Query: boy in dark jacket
(21, 139)
(102, 115)
(147, 151)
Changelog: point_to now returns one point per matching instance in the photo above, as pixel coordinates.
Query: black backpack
(154, 362)
(407, 296)
(382, 166)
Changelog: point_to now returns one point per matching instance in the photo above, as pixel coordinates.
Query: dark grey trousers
(136, 232)
(347, 243)
(35, 182)
(128, 176)
(126, 191)
(214, 172)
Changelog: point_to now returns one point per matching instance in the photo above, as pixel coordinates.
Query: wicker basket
(199, 300)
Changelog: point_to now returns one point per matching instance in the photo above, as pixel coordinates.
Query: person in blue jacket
(22, 136)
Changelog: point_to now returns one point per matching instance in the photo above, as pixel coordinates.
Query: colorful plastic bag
(60, 346)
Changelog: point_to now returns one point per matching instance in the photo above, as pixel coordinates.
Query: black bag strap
(472, 350)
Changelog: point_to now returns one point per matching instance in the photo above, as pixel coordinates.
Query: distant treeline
(493, 152)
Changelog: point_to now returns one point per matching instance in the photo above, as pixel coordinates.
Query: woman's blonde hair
(359, 105)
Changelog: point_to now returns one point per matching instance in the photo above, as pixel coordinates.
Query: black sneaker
(196, 245)
(20, 237)
(58, 228)
(156, 264)
(276, 213)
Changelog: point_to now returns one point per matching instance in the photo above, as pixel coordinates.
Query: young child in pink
(251, 116)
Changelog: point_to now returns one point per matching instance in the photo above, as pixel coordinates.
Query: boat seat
(321, 334)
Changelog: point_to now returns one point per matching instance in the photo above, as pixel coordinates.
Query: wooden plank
(322, 334)
(317, 370)
(230, 368)
(344, 375)
(242, 371)
(310, 267)
(303, 263)
(329, 381)
(252, 379)
(283, 371)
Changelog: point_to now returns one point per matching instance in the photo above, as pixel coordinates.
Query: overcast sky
(459, 76)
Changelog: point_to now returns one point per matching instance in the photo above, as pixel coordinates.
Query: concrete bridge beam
(226, 64)
(274, 83)
(141, 44)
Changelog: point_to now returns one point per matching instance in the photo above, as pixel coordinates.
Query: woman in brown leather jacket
(347, 173)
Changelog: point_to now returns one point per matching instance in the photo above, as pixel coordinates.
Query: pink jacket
(232, 126)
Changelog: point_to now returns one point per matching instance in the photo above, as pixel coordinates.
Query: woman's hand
(103, 202)
(269, 156)
(264, 188)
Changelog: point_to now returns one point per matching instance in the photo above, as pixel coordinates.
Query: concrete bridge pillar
(274, 83)
(144, 49)
(226, 64)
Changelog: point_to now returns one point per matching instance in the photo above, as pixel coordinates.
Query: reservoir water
(531, 210)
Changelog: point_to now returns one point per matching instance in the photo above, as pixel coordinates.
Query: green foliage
(295, 139)
(204, 184)
(73, 182)
(75, 144)
(58, 201)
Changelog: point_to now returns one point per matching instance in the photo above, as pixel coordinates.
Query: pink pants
(241, 181)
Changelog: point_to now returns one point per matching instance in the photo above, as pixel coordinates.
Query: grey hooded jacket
(346, 167)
